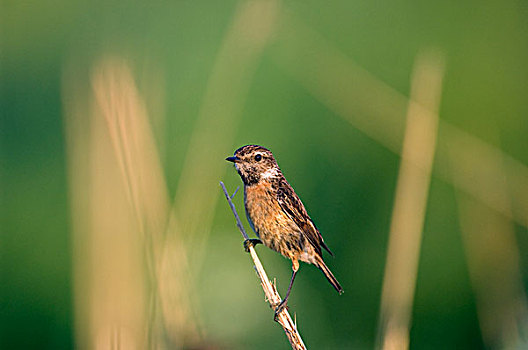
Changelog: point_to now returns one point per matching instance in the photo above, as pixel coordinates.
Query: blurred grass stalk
(142, 174)
(121, 207)
(410, 202)
(108, 280)
(492, 255)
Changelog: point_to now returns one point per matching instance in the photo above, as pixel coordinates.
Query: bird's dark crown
(255, 163)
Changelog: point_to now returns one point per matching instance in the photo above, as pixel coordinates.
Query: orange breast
(275, 229)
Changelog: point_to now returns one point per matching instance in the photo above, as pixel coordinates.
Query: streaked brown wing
(292, 205)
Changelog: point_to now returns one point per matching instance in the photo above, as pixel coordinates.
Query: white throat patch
(270, 173)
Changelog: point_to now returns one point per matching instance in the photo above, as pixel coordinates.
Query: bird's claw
(251, 242)
(278, 309)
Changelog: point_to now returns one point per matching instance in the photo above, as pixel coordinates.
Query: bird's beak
(233, 159)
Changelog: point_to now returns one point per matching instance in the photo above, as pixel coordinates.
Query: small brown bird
(277, 215)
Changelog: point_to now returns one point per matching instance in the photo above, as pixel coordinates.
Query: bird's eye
(258, 157)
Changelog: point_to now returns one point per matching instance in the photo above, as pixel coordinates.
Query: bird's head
(254, 163)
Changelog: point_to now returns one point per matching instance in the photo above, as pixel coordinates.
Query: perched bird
(277, 215)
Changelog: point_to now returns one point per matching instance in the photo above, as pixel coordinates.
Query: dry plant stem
(273, 297)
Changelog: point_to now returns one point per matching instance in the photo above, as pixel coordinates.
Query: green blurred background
(178, 52)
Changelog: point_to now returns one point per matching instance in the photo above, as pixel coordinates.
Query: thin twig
(272, 296)
(233, 195)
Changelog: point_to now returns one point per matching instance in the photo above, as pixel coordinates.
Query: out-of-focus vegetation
(117, 117)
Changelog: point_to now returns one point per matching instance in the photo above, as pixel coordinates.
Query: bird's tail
(329, 275)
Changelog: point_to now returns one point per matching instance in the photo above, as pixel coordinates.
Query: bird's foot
(279, 308)
(251, 242)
